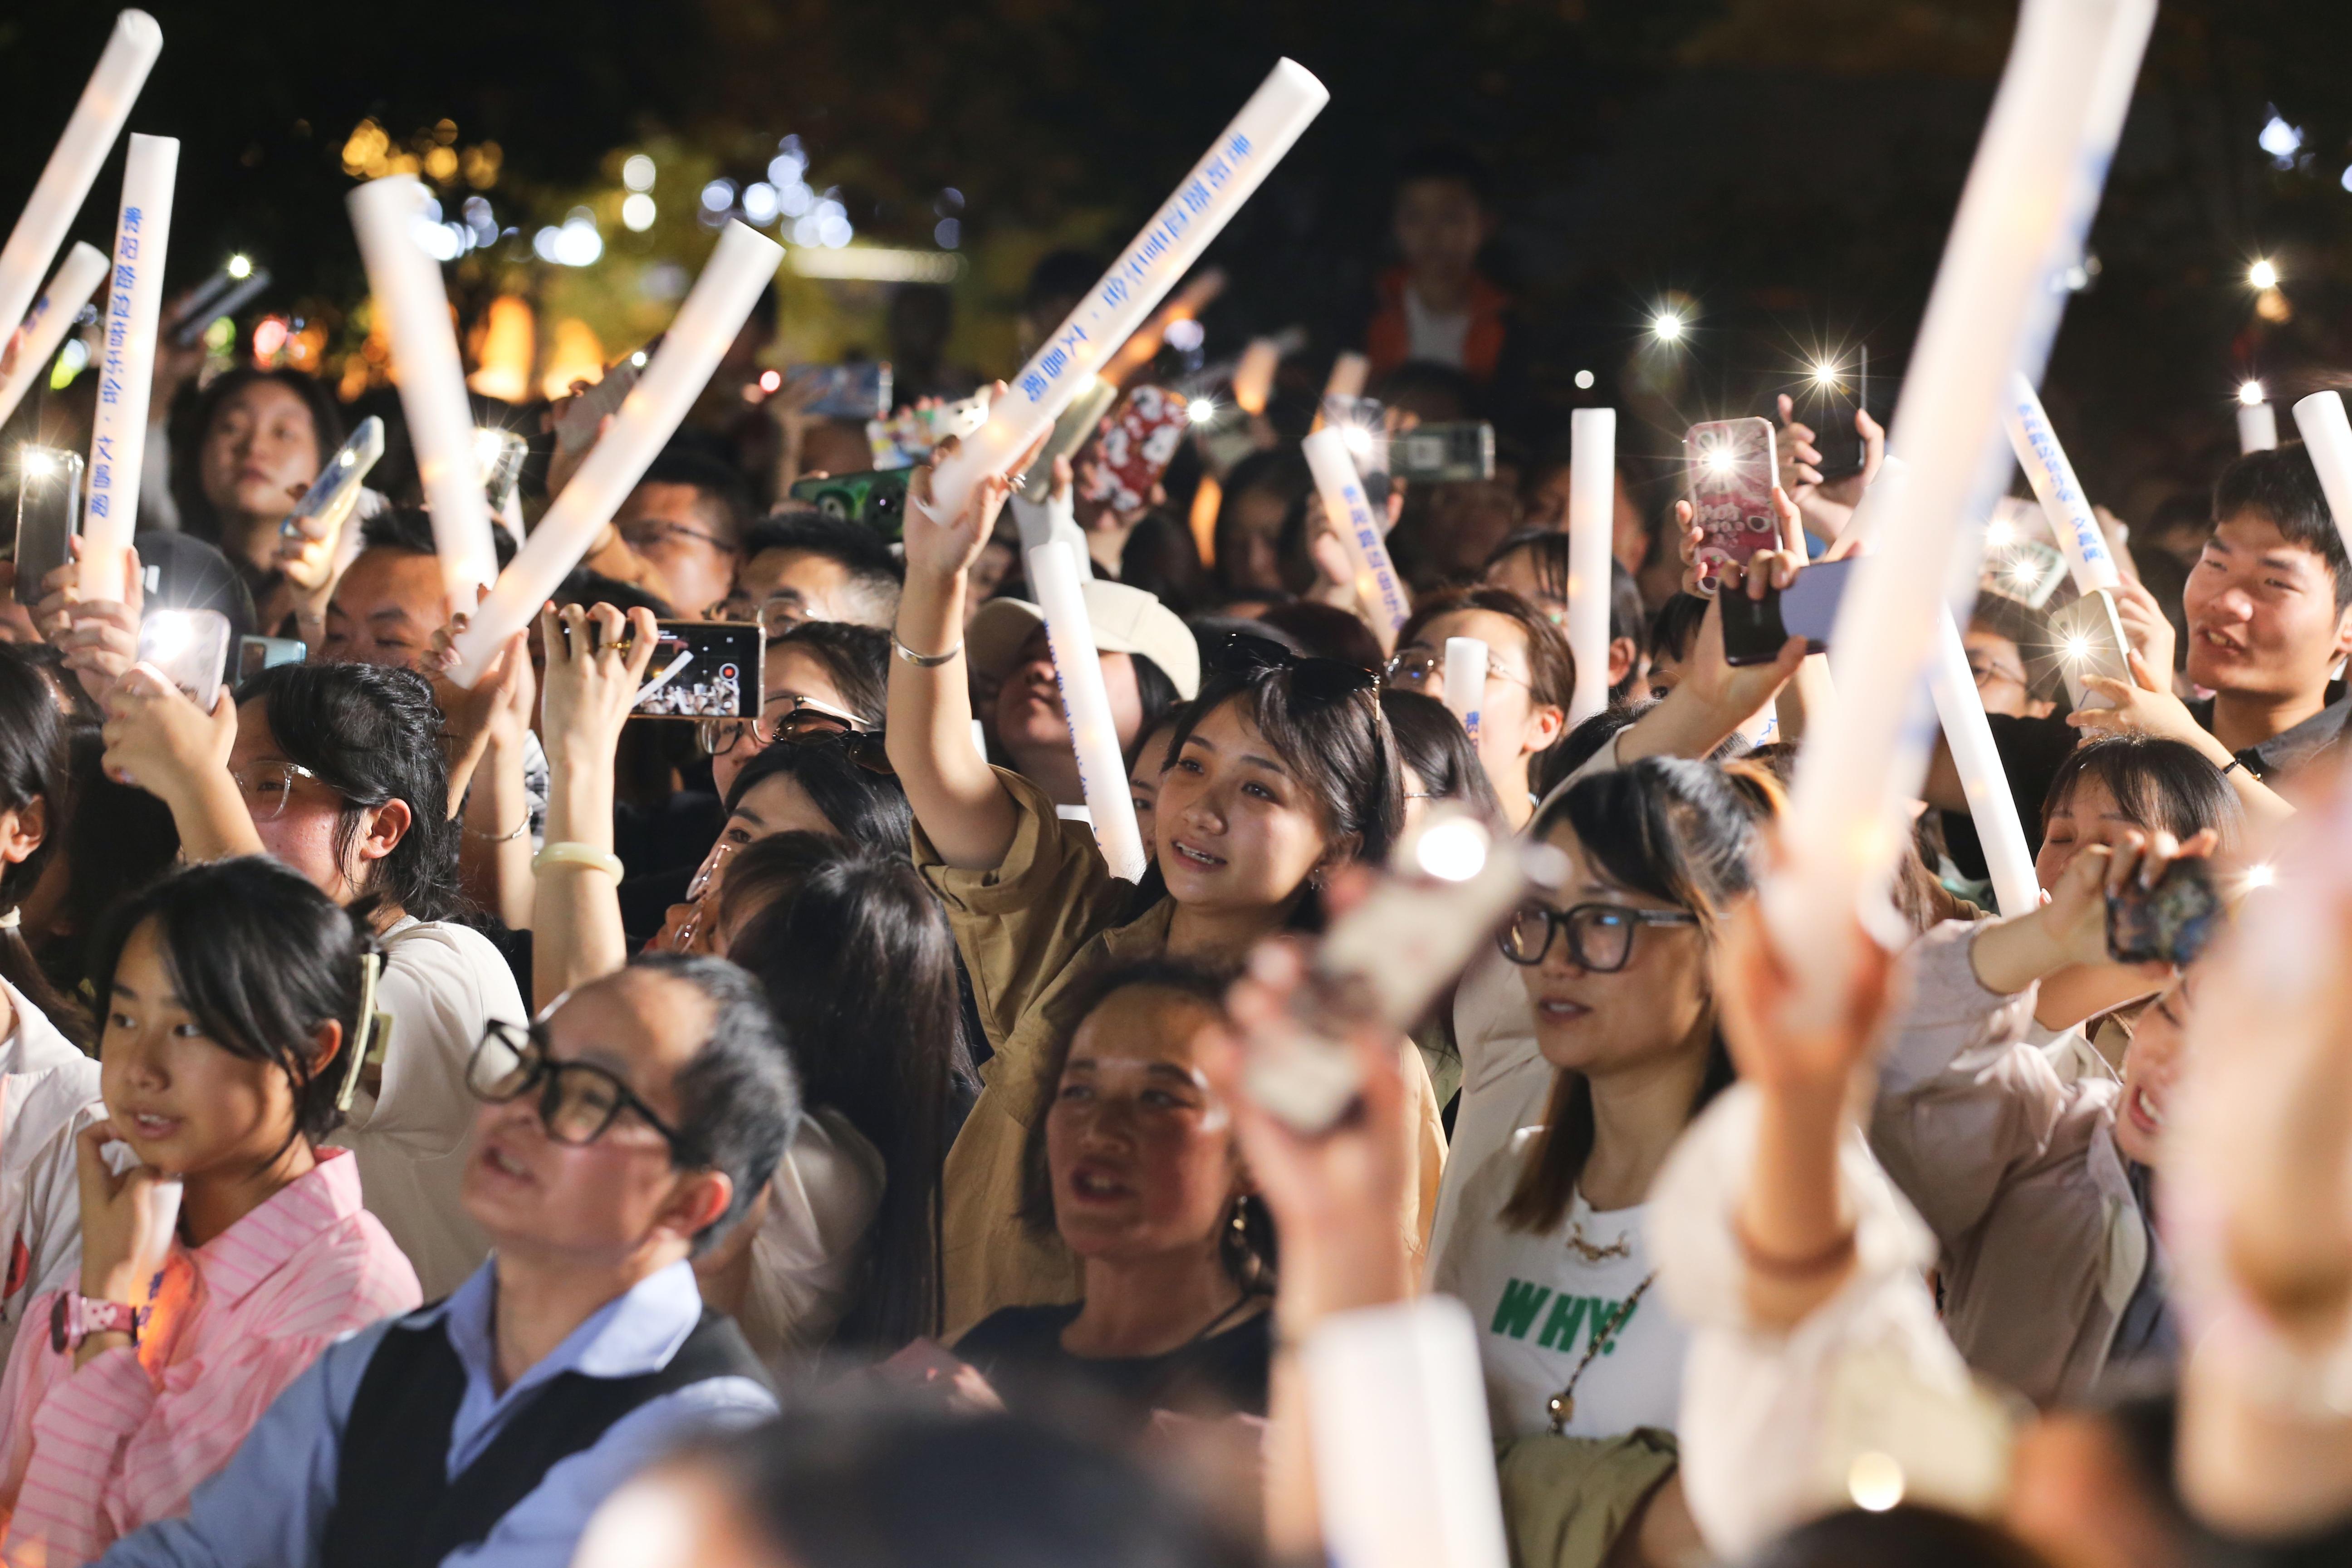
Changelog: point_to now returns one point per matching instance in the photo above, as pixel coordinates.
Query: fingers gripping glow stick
(2327, 437)
(1379, 589)
(1592, 514)
(2057, 488)
(407, 284)
(134, 306)
(1086, 703)
(1990, 805)
(51, 317)
(706, 324)
(1465, 680)
(1207, 198)
(74, 163)
(2030, 192)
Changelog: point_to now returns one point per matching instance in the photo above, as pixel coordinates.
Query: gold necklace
(1562, 1405)
(1621, 1248)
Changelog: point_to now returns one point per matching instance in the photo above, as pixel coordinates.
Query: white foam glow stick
(2327, 437)
(1245, 153)
(1404, 1470)
(1348, 371)
(1253, 381)
(1465, 680)
(1086, 704)
(2057, 488)
(2030, 194)
(742, 265)
(51, 317)
(126, 363)
(1379, 590)
(1991, 807)
(1592, 519)
(74, 162)
(2257, 427)
(407, 286)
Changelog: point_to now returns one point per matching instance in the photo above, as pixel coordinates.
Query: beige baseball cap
(1124, 620)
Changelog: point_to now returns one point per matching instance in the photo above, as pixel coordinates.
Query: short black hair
(1431, 742)
(2155, 782)
(261, 958)
(36, 767)
(874, 574)
(2282, 485)
(864, 807)
(409, 530)
(857, 656)
(738, 1101)
(372, 734)
(726, 498)
(1674, 630)
(1450, 161)
(595, 588)
(197, 517)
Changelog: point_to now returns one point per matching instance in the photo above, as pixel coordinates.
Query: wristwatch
(76, 1317)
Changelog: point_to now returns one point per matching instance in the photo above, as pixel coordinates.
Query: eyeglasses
(268, 787)
(656, 530)
(805, 717)
(1599, 936)
(1320, 679)
(578, 1102)
(1417, 669)
(1985, 672)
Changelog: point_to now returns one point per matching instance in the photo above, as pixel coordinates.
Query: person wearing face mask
(1530, 675)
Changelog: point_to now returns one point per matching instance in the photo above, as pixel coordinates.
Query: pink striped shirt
(89, 1456)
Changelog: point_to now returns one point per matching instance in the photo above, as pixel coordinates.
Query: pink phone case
(1136, 448)
(1733, 466)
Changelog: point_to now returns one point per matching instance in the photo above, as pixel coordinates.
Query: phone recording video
(48, 514)
(1733, 466)
(704, 669)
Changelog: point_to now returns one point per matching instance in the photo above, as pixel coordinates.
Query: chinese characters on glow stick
(2057, 488)
(1592, 517)
(1086, 704)
(1206, 200)
(1379, 589)
(126, 365)
(51, 317)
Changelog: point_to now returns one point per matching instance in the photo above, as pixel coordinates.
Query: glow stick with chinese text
(2032, 191)
(1086, 704)
(2327, 437)
(126, 363)
(1245, 153)
(1991, 807)
(1380, 592)
(414, 306)
(2057, 488)
(1591, 518)
(744, 263)
(1466, 660)
(2257, 427)
(50, 319)
(74, 162)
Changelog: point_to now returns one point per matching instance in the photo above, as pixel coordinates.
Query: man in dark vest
(630, 1129)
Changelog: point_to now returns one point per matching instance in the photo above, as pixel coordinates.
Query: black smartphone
(2171, 922)
(704, 669)
(1828, 404)
(48, 514)
(1435, 454)
(1755, 629)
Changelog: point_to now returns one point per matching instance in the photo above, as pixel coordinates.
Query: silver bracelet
(924, 660)
(519, 828)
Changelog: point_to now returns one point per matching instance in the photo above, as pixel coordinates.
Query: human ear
(700, 1199)
(325, 1045)
(22, 831)
(1544, 724)
(384, 830)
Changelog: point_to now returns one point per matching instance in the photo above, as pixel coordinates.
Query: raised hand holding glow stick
(1086, 704)
(74, 163)
(1379, 591)
(1466, 660)
(51, 317)
(2057, 488)
(408, 290)
(1592, 518)
(126, 365)
(742, 265)
(1206, 200)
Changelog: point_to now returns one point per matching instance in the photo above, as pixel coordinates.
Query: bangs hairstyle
(1337, 748)
(261, 958)
(34, 770)
(1676, 830)
(864, 807)
(2155, 784)
(2282, 485)
(1551, 668)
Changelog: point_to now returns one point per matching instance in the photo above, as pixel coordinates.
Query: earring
(1239, 1221)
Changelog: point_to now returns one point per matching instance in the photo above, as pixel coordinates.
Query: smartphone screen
(190, 648)
(336, 490)
(2089, 636)
(575, 425)
(1438, 453)
(704, 669)
(255, 654)
(1134, 449)
(876, 499)
(858, 389)
(1733, 465)
(48, 514)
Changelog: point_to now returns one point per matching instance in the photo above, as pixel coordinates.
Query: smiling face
(261, 441)
(2261, 613)
(2152, 1068)
(1656, 1011)
(1141, 1154)
(185, 1103)
(1234, 828)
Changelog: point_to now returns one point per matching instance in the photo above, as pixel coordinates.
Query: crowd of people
(493, 1125)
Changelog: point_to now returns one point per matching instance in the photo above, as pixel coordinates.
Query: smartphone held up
(189, 649)
(1733, 466)
(48, 515)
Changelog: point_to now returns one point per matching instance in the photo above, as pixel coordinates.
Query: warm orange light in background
(1205, 502)
(576, 355)
(505, 344)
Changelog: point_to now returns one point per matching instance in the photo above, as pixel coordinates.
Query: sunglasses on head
(1322, 679)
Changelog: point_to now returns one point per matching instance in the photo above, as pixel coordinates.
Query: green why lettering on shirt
(1516, 1313)
(1559, 1329)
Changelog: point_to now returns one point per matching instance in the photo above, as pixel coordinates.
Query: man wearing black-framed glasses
(626, 1131)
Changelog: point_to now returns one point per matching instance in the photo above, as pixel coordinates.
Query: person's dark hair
(1439, 394)
(1280, 472)
(1674, 630)
(725, 499)
(595, 588)
(874, 574)
(1914, 1536)
(1678, 831)
(34, 770)
(738, 1101)
(865, 807)
(1324, 631)
(409, 530)
(1156, 695)
(1337, 748)
(372, 734)
(905, 1483)
(2282, 485)
(860, 968)
(1431, 742)
(2157, 785)
(767, 871)
(1446, 160)
(197, 517)
(1247, 1250)
(117, 837)
(1551, 668)
(857, 657)
(261, 959)
(2029, 630)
